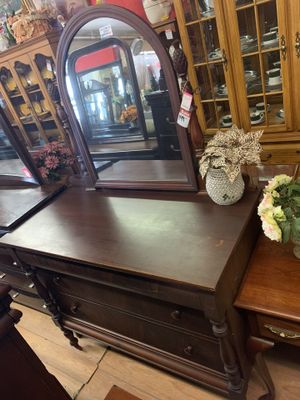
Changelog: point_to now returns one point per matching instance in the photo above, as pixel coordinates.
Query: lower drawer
(278, 329)
(141, 306)
(202, 350)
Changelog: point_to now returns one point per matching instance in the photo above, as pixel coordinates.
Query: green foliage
(289, 200)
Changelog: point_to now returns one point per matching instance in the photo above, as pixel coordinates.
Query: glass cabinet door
(15, 106)
(36, 112)
(264, 55)
(207, 51)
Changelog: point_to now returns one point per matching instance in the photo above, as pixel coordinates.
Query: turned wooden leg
(236, 384)
(255, 347)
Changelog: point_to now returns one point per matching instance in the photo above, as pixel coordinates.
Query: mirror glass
(10, 162)
(119, 95)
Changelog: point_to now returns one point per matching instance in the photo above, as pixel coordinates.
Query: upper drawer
(133, 303)
(279, 329)
(187, 296)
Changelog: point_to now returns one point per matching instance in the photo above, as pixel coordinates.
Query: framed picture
(9, 6)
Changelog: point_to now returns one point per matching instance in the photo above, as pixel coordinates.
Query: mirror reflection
(10, 162)
(120, 98)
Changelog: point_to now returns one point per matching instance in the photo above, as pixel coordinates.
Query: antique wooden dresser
(154, 277)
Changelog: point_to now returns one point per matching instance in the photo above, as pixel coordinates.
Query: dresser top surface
(186, 241)
(272, 283)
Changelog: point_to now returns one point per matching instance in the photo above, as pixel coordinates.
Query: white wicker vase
(221, 190)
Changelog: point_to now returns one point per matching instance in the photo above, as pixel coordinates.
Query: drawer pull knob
(15, 295)
(176, 315)
(188, 350)
(284, 333)
(44, 306)
(31, 285)
(15, 263)
(74, 308)
(2, 275)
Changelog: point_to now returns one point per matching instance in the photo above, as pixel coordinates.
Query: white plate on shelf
(280, 114)
(259, 121)
(268, 43)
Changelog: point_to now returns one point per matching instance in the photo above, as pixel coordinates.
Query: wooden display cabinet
(25, 72)
(243, 57)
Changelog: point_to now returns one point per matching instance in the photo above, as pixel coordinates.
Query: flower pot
(157, 10)
(221, 190)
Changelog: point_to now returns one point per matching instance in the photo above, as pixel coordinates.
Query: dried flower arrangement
(279, 209)
(52, 159)
(129, 114)
(230, 150)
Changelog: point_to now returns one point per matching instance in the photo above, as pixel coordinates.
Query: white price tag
(169, 34)
(183, 118)
(186, 101)
(105, 31)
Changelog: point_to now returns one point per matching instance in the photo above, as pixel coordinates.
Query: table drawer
(203, 350)
(279, 329)
(144, 306)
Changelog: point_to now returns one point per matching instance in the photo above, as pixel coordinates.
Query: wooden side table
(270, 294)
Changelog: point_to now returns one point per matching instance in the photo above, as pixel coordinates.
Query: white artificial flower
(277, 181)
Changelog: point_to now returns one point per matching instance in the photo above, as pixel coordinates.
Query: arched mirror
(121, 95)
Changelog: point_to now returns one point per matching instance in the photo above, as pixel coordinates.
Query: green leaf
(285, 227)
(288, 212)
(296, 199)
(293, 188)
(296, 229)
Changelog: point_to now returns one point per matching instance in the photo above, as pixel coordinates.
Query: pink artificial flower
(44, 172)
(52, 162)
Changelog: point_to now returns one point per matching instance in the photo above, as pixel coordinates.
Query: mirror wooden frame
(110, 11)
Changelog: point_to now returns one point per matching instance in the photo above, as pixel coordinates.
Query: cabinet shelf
(32, 56)
(253, 67)
(199, 20)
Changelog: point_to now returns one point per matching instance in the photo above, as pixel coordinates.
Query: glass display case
(25, 72)
(245, 62)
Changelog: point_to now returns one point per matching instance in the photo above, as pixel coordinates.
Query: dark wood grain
(189, 242)
(17, 204)
(272, 283)
(23, 376)
(105, 259)
(145, 170)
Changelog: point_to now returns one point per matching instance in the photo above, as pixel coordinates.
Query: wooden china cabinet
(25, 71)
(243, 61)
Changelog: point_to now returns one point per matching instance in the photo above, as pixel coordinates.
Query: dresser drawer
(187, 296)
(143, 306)
(7, 260)
(203, 350)
(278, 329)
(16, 280)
